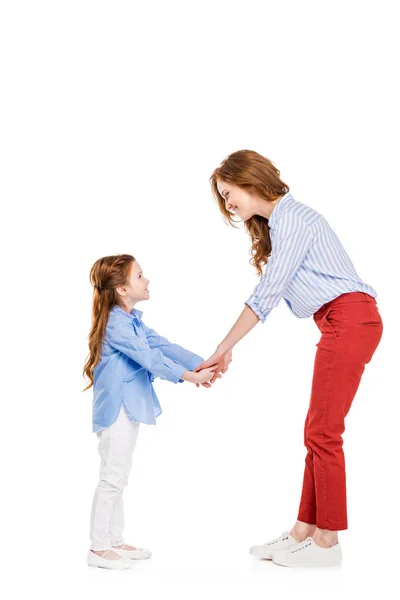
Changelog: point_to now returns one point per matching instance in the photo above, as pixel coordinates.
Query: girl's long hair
(106, 275)
(258, 175)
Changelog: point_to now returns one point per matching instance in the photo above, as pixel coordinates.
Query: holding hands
(210, 370)
(218, 363)
(201, 376)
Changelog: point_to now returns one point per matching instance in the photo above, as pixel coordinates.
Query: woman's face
(237, 201)
(244, 204)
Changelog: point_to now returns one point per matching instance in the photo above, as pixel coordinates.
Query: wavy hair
(257, 175)
(106, 275)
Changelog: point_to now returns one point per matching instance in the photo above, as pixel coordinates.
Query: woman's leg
(115, 444)
(306, 527)
(351, 332)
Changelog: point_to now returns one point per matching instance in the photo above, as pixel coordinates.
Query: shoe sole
(261, 557)
(108, 568)
(307, 566)
(136, 557)
(310, 565)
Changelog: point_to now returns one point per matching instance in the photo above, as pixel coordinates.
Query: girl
(125, 357)
(307, 266)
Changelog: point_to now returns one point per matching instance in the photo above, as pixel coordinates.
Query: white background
(114, 115)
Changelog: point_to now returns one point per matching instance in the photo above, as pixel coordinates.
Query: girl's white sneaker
(283, 542)
(309, 554)
(138, 554)
(95, 560)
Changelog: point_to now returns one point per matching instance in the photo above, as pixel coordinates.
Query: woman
(307, 266)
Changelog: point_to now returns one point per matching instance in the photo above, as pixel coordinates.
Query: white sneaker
(308, 554)
(283, 542)
(95, 560)
(138, 554)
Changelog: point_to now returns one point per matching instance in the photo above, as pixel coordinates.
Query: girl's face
(237, 201)
(136, 290)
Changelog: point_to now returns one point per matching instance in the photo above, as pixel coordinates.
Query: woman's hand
(220, 362)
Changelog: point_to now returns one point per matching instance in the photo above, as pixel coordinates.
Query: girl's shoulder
(117, 319)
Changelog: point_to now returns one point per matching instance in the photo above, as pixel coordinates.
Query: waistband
(347, 297)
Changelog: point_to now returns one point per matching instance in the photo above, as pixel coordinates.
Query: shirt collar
(279, 208)
(135, 312)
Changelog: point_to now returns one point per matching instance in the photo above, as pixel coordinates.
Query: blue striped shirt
(308, 265)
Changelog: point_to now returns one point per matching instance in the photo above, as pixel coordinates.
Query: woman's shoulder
(303, 214)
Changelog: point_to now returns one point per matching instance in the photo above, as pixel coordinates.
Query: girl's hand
(200, 376)
(208, 384)
(204, 375)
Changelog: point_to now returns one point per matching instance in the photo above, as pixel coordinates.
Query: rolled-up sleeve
(291, 244)
(122, 337)
(173, 351)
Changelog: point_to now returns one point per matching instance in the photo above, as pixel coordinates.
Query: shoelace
(301, 545)
(284, 536)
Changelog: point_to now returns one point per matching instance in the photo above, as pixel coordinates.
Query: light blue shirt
(308, 265)
(133, 355)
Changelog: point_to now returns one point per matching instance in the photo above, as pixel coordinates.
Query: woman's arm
(223, 354)
(245, 323)
(292, 242)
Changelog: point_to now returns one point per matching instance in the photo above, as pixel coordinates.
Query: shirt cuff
(253, 304)
(177, 373)
(194, 363)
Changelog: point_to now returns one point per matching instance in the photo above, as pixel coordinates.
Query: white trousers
(116, 445)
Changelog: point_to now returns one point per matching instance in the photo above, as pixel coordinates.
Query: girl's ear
(122, 291)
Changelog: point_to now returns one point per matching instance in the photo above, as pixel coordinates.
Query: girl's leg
(117, 521)
(115, 443)
(351, 332)
(117, 517)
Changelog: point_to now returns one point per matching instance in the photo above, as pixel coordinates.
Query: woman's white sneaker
(138, 554)
(283, 542)
(102, 562)
(308, 554)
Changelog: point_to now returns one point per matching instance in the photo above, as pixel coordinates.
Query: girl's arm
(122, 337)
(173, 351)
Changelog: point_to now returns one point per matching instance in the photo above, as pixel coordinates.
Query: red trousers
(351, 329)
